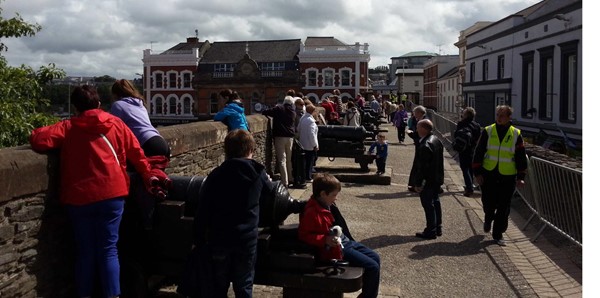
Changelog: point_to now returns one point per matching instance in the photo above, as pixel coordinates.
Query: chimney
(192, 39)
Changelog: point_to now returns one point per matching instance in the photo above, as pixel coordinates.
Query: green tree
(22, 105)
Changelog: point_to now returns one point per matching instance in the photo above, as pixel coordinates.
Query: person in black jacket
(283, 136)
(428, 177)
(465, 157)
(226, 223)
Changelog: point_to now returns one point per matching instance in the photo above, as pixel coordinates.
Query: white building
(531, 60)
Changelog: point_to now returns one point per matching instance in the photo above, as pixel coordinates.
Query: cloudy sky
(94, 38)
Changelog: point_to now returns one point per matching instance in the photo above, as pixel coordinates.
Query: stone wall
(36, 246)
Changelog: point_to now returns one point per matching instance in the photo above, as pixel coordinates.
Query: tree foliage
(21, 102)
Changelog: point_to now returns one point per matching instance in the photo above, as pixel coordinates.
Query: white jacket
(352, 118)
(307, 130)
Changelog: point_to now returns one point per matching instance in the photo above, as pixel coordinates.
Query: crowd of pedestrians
(98, 147)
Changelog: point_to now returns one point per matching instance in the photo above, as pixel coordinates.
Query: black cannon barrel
(341, 132)
(274, 207)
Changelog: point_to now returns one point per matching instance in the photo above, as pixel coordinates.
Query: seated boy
(315, 229)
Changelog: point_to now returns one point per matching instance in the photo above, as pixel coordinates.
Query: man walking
(467, 128)
(499, 164)
(428, 170)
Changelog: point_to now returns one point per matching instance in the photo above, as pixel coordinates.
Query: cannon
(345, 141)
(371, 121)
(162, 248)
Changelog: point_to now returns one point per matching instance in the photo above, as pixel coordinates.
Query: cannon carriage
(345, 141)
(161, 248)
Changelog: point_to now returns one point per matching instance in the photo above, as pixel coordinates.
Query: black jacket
(428, 165)
(228, 211)
(475, 129)
(283, 120)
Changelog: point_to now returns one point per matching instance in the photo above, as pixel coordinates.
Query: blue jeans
(359, 255)
(235, 265)
(430, 200)
(309, 163)
(96, 228)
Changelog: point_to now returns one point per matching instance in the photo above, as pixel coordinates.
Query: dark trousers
(156, 146)
(401, 133)
(380, 162)
(298, 164)
(309, 163)
(496, 193)
(430, 200)
(235, 265)
(466, 163)
(359, 255)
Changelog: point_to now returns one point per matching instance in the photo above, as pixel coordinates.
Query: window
(187, 106)
(500, 67)
(416, 83)
(328, 78)
(546, 83)
(173, 80)
(527, 84)
(271, 66)
(224, 67)
(158, 80)
(172, 106)
(484, 73)
(312, 78)
(345, 78)
(214, 103)
(187, 80)
(159, 106)
(568, 81)
(472, 72)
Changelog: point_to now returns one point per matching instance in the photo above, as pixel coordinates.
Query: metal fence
(553, 192)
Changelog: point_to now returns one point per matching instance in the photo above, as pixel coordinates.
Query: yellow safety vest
(501, 153)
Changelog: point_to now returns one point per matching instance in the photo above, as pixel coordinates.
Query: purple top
(132, 111)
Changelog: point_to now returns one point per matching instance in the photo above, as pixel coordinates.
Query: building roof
(419, 53)
(260, 51)
(450, 73)
(315, 41)
(191, 43)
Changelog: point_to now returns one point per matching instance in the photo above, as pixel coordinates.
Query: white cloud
(90, 37)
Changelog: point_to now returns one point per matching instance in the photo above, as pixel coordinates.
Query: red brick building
(327, 64)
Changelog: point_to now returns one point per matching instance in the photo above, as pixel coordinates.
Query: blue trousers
(430, 200)
(96, 228)
(380, 162)
(359, 255)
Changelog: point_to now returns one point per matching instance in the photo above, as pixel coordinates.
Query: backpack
(462, 139)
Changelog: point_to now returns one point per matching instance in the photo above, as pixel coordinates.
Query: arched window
(172, 105)
(187, 105)
(158, 107)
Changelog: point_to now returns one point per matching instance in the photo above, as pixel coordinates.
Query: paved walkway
(464, 262)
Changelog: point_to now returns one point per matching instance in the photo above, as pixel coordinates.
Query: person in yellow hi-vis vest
(499, 165)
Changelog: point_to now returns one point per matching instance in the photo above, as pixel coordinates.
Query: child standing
(315, 228)
(381, 155)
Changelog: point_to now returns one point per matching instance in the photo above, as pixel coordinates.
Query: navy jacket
(227, 214)
(283, 120)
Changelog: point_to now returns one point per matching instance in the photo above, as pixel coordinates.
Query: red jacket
(315, 222)
(89, 171)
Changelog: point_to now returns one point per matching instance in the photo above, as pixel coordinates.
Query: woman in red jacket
(95, 147)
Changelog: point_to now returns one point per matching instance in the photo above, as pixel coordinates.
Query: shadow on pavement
(388, 240)
(470, 246)
(387, 196)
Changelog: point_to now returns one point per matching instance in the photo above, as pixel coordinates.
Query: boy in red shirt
(315, 228)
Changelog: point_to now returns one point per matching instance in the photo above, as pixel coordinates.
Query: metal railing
(553, 192)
